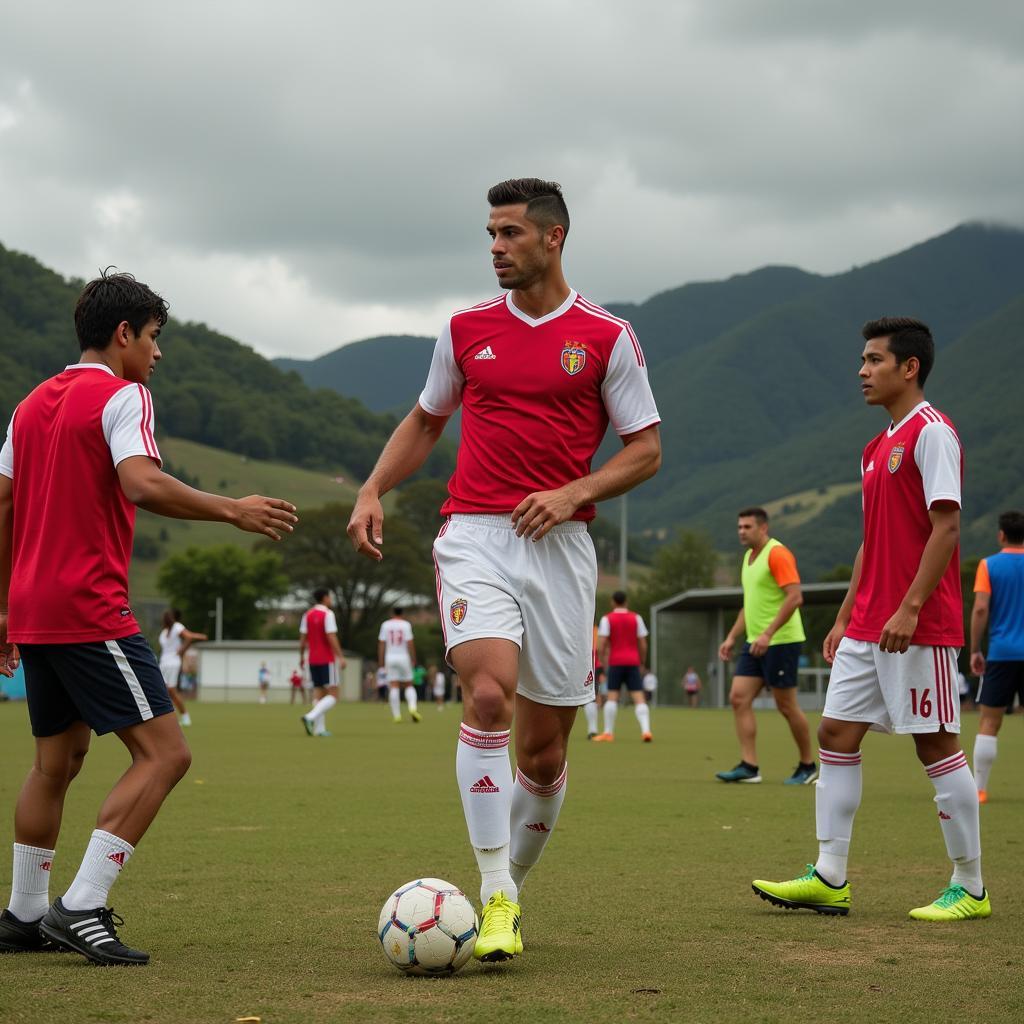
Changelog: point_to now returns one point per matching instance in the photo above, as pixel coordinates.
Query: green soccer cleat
(743, 772)
(808, 892)
(955, 904)
(415, 716)
(500, 936)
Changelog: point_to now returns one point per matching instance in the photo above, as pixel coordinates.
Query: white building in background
(228, 671)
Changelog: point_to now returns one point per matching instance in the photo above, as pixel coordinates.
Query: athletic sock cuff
(483, 740)
(946, 765)
(33, 850)
(837, 759)
(534, 789)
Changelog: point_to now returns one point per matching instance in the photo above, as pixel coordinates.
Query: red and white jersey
(907, 469)
(623, 628)
(315, 625)
(537, 397)
(395, 635)
(73, 525)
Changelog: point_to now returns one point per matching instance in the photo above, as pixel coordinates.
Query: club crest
(896, 457)
(458, 610)
(574, 357)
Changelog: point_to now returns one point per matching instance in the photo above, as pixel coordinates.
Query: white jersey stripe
(585, 308)
(144, 424)
(131, 679)
(483, 305)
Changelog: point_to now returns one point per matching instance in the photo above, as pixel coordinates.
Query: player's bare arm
(303, 644)
(979, 625)
(380, 654)
(603, 644)
(412, 652)
(638, 460)
(407, 449)
(945, 535)
(725, 648)
(8, 652)
(794, 599)
(838, 631)
(146, 485)
(339, 654)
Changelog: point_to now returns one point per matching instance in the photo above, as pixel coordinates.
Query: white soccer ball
(428, 927)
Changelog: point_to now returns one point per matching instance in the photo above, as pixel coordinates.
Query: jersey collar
(893, 427)
(547, 318)
(91, 366)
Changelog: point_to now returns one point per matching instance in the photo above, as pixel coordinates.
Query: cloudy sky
(304, 175)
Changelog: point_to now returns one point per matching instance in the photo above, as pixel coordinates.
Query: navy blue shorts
(777, 666)
(628, 676)
(109, 685)
(1002, 682)
(323, 676)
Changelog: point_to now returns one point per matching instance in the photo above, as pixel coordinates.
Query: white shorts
(399, 670)
(170, 670)
(902, 693)
(538, 594)
(438, 689)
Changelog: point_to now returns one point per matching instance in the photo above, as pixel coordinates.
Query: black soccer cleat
(91, 933)
(17, 936)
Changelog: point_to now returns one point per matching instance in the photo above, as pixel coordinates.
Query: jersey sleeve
(782, 566)
(407, 627)
(330, 622)
(442, 393)
(641, 627)
(937, 454)
(982, 584)
(128, 424)
(303, 627)
(382, 633)
(7, 453)
(626, 390)
(604, 629)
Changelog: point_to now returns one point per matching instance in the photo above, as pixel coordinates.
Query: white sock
(410, 697)
(590, 710)
(534, 813)
(611, 709)
(186, 719)
(836, 799)
(956, 797)
(30, 889)
(984, 758)
(395, 701)
(643, 716)
(484, 775)
(322, 706)
(104, 858)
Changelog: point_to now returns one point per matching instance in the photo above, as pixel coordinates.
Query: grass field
(258, 888)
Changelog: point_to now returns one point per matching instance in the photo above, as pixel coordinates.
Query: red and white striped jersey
(73, 525)
(907, 469)
(537, 397)
(315, 625)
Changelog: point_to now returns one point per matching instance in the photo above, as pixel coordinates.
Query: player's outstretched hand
(897, 632)
(269, 516)
(537, 513)
(832, 641)
(367, 522)
(9, 656)
(977, 664)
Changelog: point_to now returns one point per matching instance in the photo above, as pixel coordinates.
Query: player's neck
(105, 358)
(758, 548)
(904, 405)
(542, 297)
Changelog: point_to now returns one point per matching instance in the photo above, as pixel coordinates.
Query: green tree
(686, 562)
(195, 578)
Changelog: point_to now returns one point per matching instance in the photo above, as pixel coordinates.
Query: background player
(396, 654)
(999, 608)
(80, 456)
(437, 676)
(622, 646)
(539, 372)
(174, 639)
(318, 633)
(893, 647)
(691, 686)
(770, 621)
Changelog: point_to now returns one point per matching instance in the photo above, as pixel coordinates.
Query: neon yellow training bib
(762, 599)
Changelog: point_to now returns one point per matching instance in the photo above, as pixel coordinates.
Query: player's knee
(492, 706)
(543, 766)
(739, 701)
(829, 734)
(75, 762)
(175, 762)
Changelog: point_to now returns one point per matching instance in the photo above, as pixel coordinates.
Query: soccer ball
(428, 927)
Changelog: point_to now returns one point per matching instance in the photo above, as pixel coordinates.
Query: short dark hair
(111, 299)
(754, 511)
(1012, 524)
(320, 593)
(907, 337)
(397, 610)
(545, 204)
(619, 597)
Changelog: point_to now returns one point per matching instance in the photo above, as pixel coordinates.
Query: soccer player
(396, 654)
(691, 686)
(999, 608)
(622, 646)
(173, 639)
(263, 682)
(318, 633)
(894, 643)
(539, 372)
(297, 688)
(437, 675)
(80, 455)
(770, 621)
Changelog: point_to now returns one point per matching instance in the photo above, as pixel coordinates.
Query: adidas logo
(485, 353)
(484, 785)
(590, 679)
(944, 816)
(46, 865)
(538, 827)
(117, 858)
(871, 466)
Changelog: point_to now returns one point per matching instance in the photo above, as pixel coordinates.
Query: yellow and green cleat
(500, 936)
(808, 892)
(955, 904)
